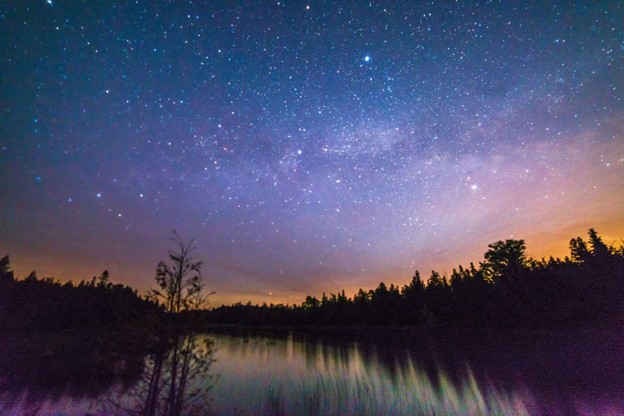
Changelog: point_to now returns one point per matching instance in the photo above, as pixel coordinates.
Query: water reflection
(443, 372)
(104, 373)
(39, 369)
(294, 373)
(176, 380)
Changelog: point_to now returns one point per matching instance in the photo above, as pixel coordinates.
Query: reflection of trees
(62, 342)
(176, 380)
(88, 365)
(61, 366)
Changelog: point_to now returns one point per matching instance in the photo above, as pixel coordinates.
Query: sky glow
(306, 148)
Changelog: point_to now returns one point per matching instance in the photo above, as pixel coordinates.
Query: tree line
(152, 344)
(506, 289)
(85, 338)
(48, 304)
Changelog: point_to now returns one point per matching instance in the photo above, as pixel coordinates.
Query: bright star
(367, 58)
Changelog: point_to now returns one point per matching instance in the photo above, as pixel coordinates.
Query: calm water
(449, 372)
(443, 373)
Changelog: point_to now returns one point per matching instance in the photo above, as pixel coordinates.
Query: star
(414, 128)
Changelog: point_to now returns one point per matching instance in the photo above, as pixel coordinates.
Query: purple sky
(305, 147)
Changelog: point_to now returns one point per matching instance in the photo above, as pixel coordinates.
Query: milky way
(305, 147)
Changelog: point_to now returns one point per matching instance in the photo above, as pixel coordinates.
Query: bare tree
(179, 357)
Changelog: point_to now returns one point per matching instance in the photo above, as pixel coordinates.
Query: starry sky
(305, 147)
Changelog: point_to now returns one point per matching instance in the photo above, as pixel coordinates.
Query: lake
(379, 372)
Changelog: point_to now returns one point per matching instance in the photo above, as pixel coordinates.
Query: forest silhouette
(506, 289)
(84, 338)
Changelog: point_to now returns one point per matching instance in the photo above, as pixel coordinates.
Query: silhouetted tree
(180, 281)
(504, 259)
(598, 247)
(311, 302)
(414, 300)
(104, 279)
(578, 250)
(6, 274)
(180, 290)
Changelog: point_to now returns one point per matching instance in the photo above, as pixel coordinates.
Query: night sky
(306, 147)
